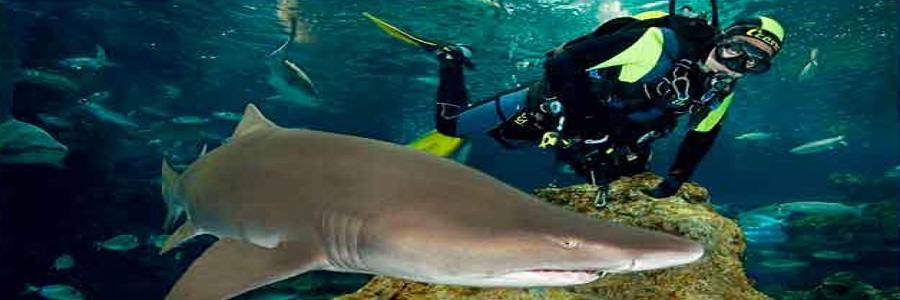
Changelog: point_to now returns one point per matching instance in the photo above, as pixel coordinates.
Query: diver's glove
(667, 188)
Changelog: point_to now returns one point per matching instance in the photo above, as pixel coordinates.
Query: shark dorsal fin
(253, 120)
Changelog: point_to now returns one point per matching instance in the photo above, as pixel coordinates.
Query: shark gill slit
(343, 247)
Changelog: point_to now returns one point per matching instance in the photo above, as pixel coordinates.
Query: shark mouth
(589, 272)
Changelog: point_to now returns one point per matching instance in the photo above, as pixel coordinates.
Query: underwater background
(193, 58)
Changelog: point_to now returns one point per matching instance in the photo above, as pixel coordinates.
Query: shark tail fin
(437, 143)
(174, 204)
(282, 50)
(183, 233)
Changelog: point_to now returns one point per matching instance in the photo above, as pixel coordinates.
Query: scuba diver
(606, 96)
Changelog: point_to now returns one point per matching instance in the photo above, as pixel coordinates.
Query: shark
(21, 142)
(293, 85)
(92, 63)
(285, 201)
(26, 143)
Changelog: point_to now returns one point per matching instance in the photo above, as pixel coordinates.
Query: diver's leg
(452, 96)
(486, 115)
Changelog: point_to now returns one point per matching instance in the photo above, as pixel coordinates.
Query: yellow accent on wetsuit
(639, 58)
(715, 116)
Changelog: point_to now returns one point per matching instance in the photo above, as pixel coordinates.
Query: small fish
(784, 263)
(819, 145)
(823, 208)
(64, 262)
(107, 115)
(770, 235)
(809, 70)
(156, 112)
(227, 116)
(189, 120)
(54, 121)
(608, 10)
(429, 80)
(48, 79)
(55, 292)
(492, 3)
(121, 243)
(754, 136)
(748, 220)
(157, 241)
(653, 4)
(768, 253)
(96, 97)
(93, 63)
(893, 172)
(525, 64)
(835, 255)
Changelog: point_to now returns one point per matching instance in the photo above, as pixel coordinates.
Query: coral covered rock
(844, 286)
(718, 275)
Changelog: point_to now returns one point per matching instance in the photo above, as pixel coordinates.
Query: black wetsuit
(620, 87)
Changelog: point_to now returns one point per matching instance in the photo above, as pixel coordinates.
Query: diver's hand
(667, 188)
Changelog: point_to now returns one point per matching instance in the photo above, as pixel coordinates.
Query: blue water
(196, 57)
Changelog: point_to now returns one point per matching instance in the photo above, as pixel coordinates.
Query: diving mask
(743, 57)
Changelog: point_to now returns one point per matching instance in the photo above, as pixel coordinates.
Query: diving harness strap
(553, 107)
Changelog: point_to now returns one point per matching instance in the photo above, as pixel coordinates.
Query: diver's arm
(566, 70)
(692, 150)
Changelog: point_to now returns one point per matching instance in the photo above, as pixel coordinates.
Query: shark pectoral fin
(231, 267)
(183, 233)
(252, 120)
(174, 205)
(437, 143)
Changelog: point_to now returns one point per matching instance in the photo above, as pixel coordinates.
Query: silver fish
(819, 145)
(754, 136)
(835, 255)
(784, 263)
(55, 292)
(893, 172)
(823, 208)
(227, 116)
(809, 70)
(54, 121)
(189, 120)
(156, 112)
(121, 243)
(64, 262)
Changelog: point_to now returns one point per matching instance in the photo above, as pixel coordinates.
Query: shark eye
(569, 243)
(565, 242)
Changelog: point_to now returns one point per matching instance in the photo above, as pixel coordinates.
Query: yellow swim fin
(402, 35)
(437, 143)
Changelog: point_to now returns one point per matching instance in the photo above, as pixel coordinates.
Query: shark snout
(689, 252)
